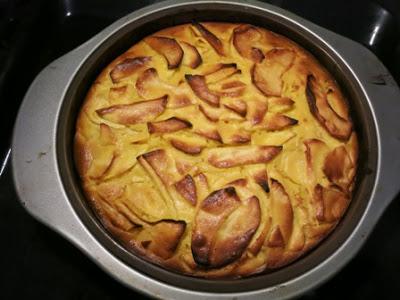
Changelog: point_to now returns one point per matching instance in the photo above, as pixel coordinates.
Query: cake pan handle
(34, 160)
(383, 94)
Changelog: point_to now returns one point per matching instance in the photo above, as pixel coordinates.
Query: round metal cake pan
(49, 188)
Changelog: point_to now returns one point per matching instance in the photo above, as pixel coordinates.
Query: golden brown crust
(217, 150)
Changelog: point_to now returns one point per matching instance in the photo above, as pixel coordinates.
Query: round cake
(216, 150)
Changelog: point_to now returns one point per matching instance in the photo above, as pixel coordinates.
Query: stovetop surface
(37, 262)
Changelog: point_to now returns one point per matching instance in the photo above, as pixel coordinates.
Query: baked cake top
(216, 149)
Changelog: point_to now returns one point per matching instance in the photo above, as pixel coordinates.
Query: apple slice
(336, 125)
(211, 114)
(149, 85)
(107, 137)
(123, 94)
(222, 72)
(211, 39)
(202, 187)
(232, 89)
(191, 56)
(330, 203)
(241, 182)
(170, 125)
(212, 213)
(267, 76)
(276, 239)
(112, 217)
(234, 235)
(186, 147)
(165, 237)
(339, 168)
(211, 134)
(187, 189)
(232, 133)
(199, 86)
(128, 67)
(282, 215)
(280, 104)
(261, 178)
(256, 110)
(167, 47)
(161, 164)
(147, 204)
(135, 113)
(102, 158)
(228, 157)
(238, 106)
(259, 241)
(315, 152)
(285, 101)
(244, 37)
(278, 122)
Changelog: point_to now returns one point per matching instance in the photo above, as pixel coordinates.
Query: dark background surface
(37, 263)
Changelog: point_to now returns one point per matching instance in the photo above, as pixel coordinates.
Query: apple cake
(216, 150)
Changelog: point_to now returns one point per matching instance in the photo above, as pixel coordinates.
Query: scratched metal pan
(49, 189)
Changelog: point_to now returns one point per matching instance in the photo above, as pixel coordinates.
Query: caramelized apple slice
(211, 134)
(171, 125)
(336, 125)
(165, 238)
(224, 71)
(228, 157)
(202, 187)
(282, 215)
(258, 242)
(241, 182)
(240, 137)
(339, 168)
(330, 203)
(211, 39)
(238, 106)
(138, 112)
(128, 67)
(187, 189)
(261, 178)
(276, 239)
(186, 147)
(315, 153)
(211, 114)
(232, 89)
(167, 47)
(256, 111)
(232, 133)
(244, 37)
(191, 56)
(162, 165)
(279, 122)
(198, 84)
(266, 76)
(234, 235)
(212, 213)
(149, 85)
(280, 104)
